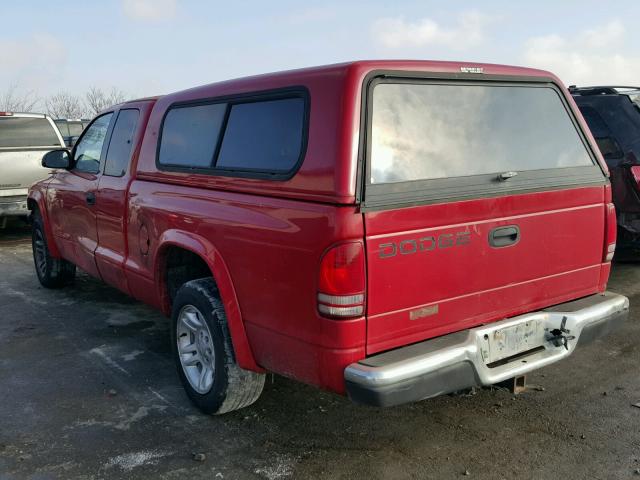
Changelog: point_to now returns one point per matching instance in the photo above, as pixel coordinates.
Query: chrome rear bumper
(462, 360)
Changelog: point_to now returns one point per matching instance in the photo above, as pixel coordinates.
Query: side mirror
(57, 159)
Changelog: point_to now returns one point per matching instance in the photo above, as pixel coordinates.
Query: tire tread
(243, 387)
(60, 272)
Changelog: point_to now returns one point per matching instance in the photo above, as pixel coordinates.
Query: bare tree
(97, 99)
(14, 101)
(65, 105)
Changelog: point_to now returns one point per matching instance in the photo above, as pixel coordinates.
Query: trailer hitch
(560, 336)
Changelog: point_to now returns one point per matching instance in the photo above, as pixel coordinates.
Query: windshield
(19, 132)
(430, 131)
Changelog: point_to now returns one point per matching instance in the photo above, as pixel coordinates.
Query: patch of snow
(132, 356)
(129, 461)
(108, 360)
(281, 468)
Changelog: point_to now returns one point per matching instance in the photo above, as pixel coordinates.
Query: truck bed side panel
(272, 248)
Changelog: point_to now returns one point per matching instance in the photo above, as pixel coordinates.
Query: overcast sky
(148, 47)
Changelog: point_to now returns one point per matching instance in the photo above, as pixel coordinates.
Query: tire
(52, 272)
(203, 352)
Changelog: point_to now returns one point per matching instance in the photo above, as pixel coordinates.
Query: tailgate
(20, 169)
(483, 200)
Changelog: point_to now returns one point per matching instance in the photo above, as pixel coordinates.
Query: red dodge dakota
(388, 230)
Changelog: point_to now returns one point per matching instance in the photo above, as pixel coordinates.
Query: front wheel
(52, 272)
(204, 353)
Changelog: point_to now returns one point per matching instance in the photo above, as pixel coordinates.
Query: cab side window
(89, 149)
(119, 151)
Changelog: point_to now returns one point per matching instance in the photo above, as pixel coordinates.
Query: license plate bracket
(513, 340)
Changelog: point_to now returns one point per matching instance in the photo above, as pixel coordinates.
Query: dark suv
(613, 115)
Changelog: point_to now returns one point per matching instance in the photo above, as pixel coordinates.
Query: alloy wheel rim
(195, 349)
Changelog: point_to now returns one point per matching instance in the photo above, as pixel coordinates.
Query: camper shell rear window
(435, 139)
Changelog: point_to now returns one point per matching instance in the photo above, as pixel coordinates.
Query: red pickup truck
(389, 230)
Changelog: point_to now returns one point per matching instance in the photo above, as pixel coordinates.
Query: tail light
(6, 114)
(341, 285)
(610, 226)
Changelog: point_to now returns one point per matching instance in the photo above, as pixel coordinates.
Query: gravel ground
(88, 390)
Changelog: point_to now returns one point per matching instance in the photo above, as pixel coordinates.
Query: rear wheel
(204, 353)
(52, 272)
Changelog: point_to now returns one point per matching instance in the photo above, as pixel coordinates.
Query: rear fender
(210, 255)
(36, 200)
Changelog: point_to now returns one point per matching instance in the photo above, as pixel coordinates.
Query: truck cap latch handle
(506, 176)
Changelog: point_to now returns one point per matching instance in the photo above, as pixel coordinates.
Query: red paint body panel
(473, 282)
(263, 240)
(73, 221)
(319, 178)
(37, 199)
(271, 249)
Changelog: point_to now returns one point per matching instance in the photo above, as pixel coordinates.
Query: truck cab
(388, 230)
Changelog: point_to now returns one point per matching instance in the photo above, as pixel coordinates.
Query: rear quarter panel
(272, 249)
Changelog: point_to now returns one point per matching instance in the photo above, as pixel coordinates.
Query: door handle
(91, 198)
(504, 236)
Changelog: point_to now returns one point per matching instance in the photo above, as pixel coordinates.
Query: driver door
(72, 197)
